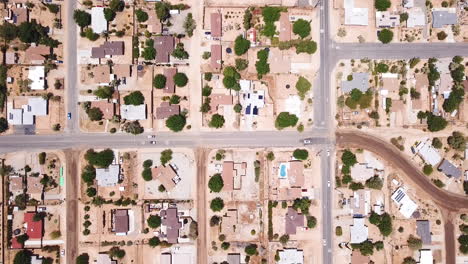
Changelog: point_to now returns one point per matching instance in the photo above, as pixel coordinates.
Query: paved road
(71, 189)
(71, 65)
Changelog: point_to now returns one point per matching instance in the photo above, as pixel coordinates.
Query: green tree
(154, 242)
(88, 174)
(237, 108)
(42, 158)
(147, 174)
(109, 14)
(216, 183)
(159, 81)
(247, 19)
(457, 141)
(409, 260)
(166, 156)
(154, 221)
(385, 35)
(149, 52)
(175, 99)
(436, 143)
(381, 67)
(303, 87)
(176, 123)
(141, 15)
(217, 204)
(427, 169)
(116, 252)
(117, 5)
(179, 52)
(180, 79)
(302, 28)
(3, 124)
(134, 98)
(311, 221)
(382, 5)
(436, 123)
(441, 35)
(285, 119)
(94, 114)
(241, 45)
(301, 154)
(262, 65)
(189, 25)
(270, 156)
(91, 191)
(8, 31)
(82, 18)
(162, 10)
(23, 257)
(338, 231)
(100, 159)
(306, 46)
(348, 158)
(251, 249)
(414, 243)
(241, 64)
(104, 92)
(217, 121)
(303, 204)
(374, 183)
(404, 17)
(133, 128)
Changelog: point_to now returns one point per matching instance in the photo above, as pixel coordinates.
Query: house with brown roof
(108, 49)
(154, 23)
(232, 175)
(164, 46)
(229, 222)
(219, 100)
(170, 85)
(107, 108)
(216, 25)
(293, 221)
(120, 221)
(285, 27)
(296, 173)
(37, 54)
(102, 74)
(358, 258)
(16, 185)
(122, 71)
(170, 225)
(17, 14)
(166, 110)
(216, 57)
(166, 175)
(35, 187)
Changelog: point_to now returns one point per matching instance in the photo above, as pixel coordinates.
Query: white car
(151, 136)
(328, 183)
(153, 142)
(62, 252)
(328, 153)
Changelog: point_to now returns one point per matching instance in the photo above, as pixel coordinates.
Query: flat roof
(359, 231)
(107, 177)
(98, 21)
(133, 112)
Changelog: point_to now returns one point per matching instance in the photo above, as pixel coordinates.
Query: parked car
(69, 115)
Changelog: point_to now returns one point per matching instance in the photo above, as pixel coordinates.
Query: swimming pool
(283, 171)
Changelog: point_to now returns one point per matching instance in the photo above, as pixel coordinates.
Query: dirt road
(201, 157)
(72, 158)
(449, 202)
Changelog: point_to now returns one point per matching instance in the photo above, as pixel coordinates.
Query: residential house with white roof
(406, 206)
(37, 76)
(98, 21)
(428, 153)
(291, 256)
(37, 106)
(133, 112)
(108, 177)
(359, 230)
(355, 16)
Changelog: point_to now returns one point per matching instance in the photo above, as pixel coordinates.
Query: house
(164, 46)
(358, 258)
(105, 259)
(385, 19)
(133, 112)
(166, 110)
(17, 14)
(36, 54)
(35, 187)
(359, 230)
(166, 258)
(170, 225)
(442, 17)
(26, 115)
(406, 206)
(11, 58)
(416, 18)
(229, 222)
(16, 185)
(232, 175)
(293, 220)
(108, 49)
(167, 176)
(216, 57)
(355, 16)
(102, 74)
(154, 25)
(34, 229)
(290, 256)
(360, 203)
(428, 153)
(122, 72)
(252, 37)
(233, 258)
(216, 25)
(449, 169)
(108, 177)
(285, 27)
(170, 85)
(37, 76)
(279, 60)
(219, 100)
(107, 108)
(252, 102)
(292, 172)
(361, 172)
(359, 81)
(285, 193)
(120, 221)
(423, 229)
(98, 21)
(425, 256)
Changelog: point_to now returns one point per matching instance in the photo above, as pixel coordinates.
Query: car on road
(328, 153)
(151, 136)
(328, 183)
(62, 252)
(153, 142)
(69, 115)
(307, 141)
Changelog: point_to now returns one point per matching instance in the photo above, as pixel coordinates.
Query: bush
(134, 98)
(306, 46)
(241, 45)
(301, 154)
(436, 143)
(159, 81)
(381, 67)
(180, 79)
(82, 259)
(225, 245)
(385, 36)
(303, 86)
(189, 25)
(217, 121)
(241, 64)
(141, 15)
(436, 123)
(338, 231)
(215, 220)
(237, 108)
(208, 76)
(414, 243)
(147, 163)
(382, 5)
(104, 92)
(427, 169)
(91, 192)
(216, 183)
(374, 183)
(154, 242)
(116, 252)
(100, 159)
(109, 14)
(217, 204)
(166, 156)
(82, 18)
(441, 35)
(42, 158)
(457, 141)
(262, 65)
(348, 158)
(147, 174)
(302, 28)
(285, 119)
(176, 123)
(311, 221)
(247, 19)
(154, 221)
(251, 249)
(95, 114)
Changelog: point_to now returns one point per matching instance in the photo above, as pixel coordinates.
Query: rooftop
(37, 76)
(166, 175)
(360, 81)
(428, 153)
(449, 169)
(102, 74)
(108, 49)
(36, 54)
(285, 27)
(293, 221)
(105, 259)
(98, 21)
(232, 173)
(121, 221)
(406, 206)
(34, 229)
(423, 229)
(442, 17)
(355, 16)
(170, 85)
(107, 108)
(359, 231)
(220, 99)
(291, 256)
(170, 224)
(216, 25)
(358, 258)
(164, 46)
(107, 177)
(216, 57)
(133, 112)
(166, 110)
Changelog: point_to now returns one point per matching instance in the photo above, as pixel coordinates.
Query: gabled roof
(37, 54)
(164, 46)
(216, 53)
(293, 221)
(166, 175)
(170, 85)
(109, 48)
(166, 110)
(34, 229)
(360, 81)
(216, 25)
(285, 27)
(423, 229)
(107, 177)
(121, 221)
(449, 169)
(170, 220)
(442, 17)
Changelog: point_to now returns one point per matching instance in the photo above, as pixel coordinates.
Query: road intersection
(322, 134)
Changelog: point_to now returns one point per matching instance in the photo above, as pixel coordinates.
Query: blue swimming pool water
(283, 171)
